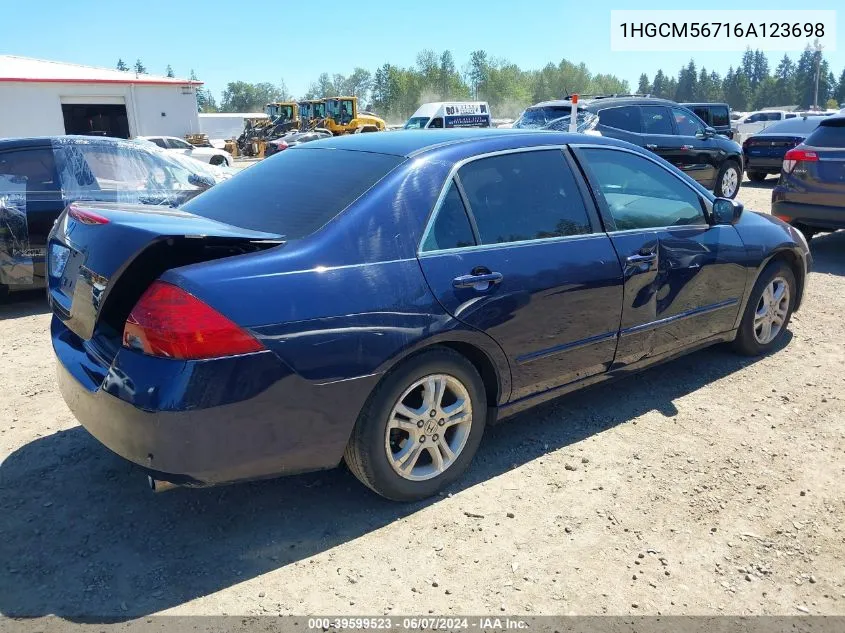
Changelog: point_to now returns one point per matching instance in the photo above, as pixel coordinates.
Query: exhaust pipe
(157, 485)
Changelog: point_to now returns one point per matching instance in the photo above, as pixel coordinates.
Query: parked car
(292, 139)
(210, 155)
(40, 176)
(763, 153)
(275, 325)
(665, 128)
(811, 191)
(755, 122)
(716, 115)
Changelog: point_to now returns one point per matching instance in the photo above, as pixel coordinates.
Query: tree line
(394, 91)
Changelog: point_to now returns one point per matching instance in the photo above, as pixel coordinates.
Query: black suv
(670, 130)
(716, 115)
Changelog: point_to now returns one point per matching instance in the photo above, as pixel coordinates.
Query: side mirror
(726, 211)
(707, 132)
(203, 182)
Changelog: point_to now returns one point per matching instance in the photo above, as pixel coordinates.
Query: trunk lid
(770, 146)
(101, 257)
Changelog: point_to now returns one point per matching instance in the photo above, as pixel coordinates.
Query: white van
(444, 114)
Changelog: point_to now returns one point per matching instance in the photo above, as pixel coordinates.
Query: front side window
(656, 120)
(436, 122)
(641, 194)
(624, 118)
(451, 227)
(687, 124)
(158, 141)
(524, 196)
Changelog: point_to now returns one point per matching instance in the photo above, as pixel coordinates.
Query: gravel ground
(709, 485)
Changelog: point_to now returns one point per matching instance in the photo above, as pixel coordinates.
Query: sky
(224, 40)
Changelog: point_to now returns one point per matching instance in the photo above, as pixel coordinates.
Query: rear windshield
(828, 135)
(295, 192)
(794, 125)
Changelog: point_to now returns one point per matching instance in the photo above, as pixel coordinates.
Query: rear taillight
(86, 216)
(795, 156)
(169, 322)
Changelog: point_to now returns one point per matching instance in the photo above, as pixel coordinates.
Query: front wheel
(768, 311)
(728, 179)
(420, 428)
(217, 160)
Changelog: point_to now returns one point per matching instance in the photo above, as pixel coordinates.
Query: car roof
(411, 143)
(42, 141)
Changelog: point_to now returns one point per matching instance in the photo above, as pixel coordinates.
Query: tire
(747, 340)
(217, 160)
(366, 453)
(757, 176)
(719, 188)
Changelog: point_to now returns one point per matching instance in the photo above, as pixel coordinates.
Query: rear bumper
(209, 422)
(812, 215)
(764, 164)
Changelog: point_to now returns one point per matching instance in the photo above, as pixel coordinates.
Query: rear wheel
(728, 179)
(757, 176)
(768, 311)
(217, 160)
(420, 428)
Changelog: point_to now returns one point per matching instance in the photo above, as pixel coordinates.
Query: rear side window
(656, 120)
(703, 113)
(158, 141)
(294, 192)
(524, 196)
(32, 168)
(719, 116)
(451, 228)
(624, 118)
(828, 136)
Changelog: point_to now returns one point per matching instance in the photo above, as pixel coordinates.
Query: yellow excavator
(311, 111)
(342, 117)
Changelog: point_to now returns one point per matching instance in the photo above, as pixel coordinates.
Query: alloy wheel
(730, 180)
(428, 427)
(771, 312)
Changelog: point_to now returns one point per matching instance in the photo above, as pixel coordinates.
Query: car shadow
(23, 304)
(768, 183)
(828, 252)
(84, 539)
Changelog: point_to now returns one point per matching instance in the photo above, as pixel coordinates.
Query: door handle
(686, 147)
(474, 281)
(641, 258)
(651, 146)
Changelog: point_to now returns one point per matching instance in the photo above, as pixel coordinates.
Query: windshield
(416, 123)
(340, 110)
(274, 110)
(541, 115)
(319, 110)
(585, 121)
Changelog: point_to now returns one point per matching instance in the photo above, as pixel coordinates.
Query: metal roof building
(40, 97)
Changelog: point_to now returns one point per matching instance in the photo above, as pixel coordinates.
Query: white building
(44, 98)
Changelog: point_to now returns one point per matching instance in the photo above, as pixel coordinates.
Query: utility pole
(818, 49)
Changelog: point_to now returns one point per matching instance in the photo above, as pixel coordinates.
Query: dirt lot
(709, 485)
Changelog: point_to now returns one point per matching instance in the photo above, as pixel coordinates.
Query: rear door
(683, 277)
(514, 248)
(30, 201)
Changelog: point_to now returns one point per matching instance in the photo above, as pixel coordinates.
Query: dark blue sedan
(381, 298)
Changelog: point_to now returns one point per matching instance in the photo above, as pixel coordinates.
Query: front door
(700, 154)
(516, 250)
(683, 277)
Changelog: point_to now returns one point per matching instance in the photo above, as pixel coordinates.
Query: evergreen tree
(644, 87)
(840, 90)
(659, 87)
(785, 83)
(687, 83)
(139, 67)
(170, 71)
(121, 65)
